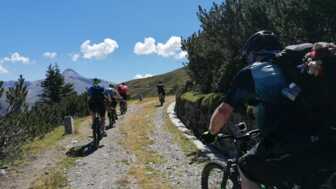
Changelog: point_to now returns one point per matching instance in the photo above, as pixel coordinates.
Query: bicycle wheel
(110, 115)
(217, 176)
(96, 133)
(161, 100)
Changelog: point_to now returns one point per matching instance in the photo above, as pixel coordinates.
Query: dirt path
(179, 168)
(108, 166)
(140, 152)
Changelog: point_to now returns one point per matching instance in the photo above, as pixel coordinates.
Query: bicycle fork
(231, 173)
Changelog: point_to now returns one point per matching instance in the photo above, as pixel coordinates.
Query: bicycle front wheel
(217, 176)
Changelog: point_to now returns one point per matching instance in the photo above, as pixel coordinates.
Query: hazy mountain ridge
(79, 82)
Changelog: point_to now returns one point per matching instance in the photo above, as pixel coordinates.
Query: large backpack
(97, 95)
(310, 96)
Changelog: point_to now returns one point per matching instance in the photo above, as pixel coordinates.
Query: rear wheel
(111, 119)
(96, 132)
(217, 176)
(162, 99)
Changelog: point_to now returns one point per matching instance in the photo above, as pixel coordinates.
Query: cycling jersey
(260, 85)
(97, 99)
(160, 89)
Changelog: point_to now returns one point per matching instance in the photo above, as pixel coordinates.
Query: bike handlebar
(241, 137)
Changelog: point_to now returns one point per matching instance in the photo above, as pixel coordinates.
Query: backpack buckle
(314, 139)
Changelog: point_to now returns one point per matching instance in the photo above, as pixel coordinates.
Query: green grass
(137, 130)
(193, 97)
(49, 140)
(186, 145)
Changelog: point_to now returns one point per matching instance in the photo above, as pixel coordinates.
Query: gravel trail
(181, 172)
(107, 167)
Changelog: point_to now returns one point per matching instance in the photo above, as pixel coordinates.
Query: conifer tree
(54, 87)
(16, 96)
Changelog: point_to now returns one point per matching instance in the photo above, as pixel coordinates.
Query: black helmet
(262, 40)
(96, 81)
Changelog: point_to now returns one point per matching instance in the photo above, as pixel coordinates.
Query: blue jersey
(96, 94)
(260, 85)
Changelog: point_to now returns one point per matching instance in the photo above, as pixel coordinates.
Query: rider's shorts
(264, 165)
(98, 107)
(124, 96)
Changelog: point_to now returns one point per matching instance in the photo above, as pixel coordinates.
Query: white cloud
(3, 70)
(147, 47)
(182, 55)
(75, 57)
(16, 57)
(141, 76)
(172, 48)
(50, 55)
(99, 50)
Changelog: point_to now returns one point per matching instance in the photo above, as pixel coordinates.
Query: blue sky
(95, 38)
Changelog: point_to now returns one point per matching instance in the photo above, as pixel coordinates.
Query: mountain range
(80, 83)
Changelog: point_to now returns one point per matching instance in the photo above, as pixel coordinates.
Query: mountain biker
(280, 155)
(123, 90)
(96, 102)
(112, 96)
(161, 90)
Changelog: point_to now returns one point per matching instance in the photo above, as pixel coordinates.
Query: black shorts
(97, 107)
(263, 164)
(124, 96)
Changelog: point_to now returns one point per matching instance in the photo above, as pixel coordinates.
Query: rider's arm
(241, 90)
(220, 117)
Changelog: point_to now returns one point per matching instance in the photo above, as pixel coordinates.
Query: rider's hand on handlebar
(207, 137)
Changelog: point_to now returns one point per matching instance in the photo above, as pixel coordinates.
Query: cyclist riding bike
(112, 97)
(285, 153)
(96, 102)
(161, 92)
(123, 90)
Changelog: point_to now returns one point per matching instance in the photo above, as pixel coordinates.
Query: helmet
(96, 81)
(262, 40)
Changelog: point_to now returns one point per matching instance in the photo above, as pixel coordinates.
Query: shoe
(104, 134)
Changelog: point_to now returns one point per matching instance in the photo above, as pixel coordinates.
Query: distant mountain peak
(70, 73)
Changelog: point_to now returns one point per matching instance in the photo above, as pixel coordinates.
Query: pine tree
(2, 90)
(54, 87)
(16, 96)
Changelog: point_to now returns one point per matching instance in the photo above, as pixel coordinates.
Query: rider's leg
(246, 183)
(92, 117)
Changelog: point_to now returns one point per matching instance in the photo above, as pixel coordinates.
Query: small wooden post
(68, 125)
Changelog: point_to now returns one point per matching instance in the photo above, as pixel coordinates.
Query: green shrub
(214, 51)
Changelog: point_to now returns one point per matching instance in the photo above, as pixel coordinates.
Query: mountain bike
(96, 130)
(112, 116)
(224, 174)
(161, 99)
(123, 106)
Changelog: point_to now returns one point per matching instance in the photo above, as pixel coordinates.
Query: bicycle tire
(224, 181)
(96, 133)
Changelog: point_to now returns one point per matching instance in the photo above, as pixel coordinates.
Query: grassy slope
(147, 87)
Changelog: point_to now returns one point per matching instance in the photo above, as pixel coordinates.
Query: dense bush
(214, 51)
